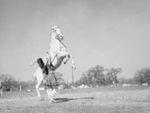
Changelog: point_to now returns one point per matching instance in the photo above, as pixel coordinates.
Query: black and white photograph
(74, 56)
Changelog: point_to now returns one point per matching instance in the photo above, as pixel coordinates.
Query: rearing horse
(57, 54)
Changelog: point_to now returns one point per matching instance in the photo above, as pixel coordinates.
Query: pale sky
(110, 33)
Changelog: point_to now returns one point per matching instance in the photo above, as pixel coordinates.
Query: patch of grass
(105, 100)
(33, 93)
(104, 89)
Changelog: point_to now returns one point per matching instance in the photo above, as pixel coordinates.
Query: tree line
(142, 76)
(100, 76)
(10, 83)
(95, 76)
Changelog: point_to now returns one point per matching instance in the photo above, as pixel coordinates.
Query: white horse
(57, 54)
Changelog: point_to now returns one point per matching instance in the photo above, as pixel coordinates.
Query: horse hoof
(52, 101)
(40, 99)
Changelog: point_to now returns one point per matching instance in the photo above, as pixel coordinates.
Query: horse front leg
(66, 56)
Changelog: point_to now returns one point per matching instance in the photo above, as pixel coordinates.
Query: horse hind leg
(50, 95)
(54, 92)
(38, 91)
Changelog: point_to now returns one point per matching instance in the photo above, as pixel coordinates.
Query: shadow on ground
(58, 100)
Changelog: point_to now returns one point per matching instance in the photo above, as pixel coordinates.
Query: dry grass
(96, 100)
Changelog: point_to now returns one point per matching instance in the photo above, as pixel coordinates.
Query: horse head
(56, 33)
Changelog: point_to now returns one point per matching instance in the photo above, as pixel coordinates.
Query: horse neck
(56, 41)
(53, 35)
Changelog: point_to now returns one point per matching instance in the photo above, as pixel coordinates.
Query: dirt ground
(132, 100)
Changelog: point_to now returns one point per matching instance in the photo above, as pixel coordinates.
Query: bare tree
(112, 75)
(59, 77)
(147, 75)
(7, 81)
(140, 77)
(94, 76)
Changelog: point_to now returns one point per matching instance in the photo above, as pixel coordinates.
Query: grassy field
(92, 100)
